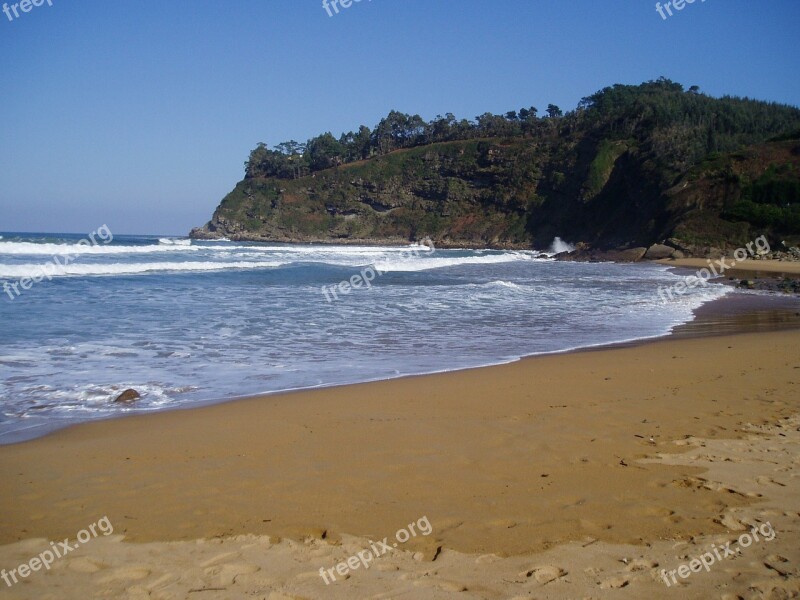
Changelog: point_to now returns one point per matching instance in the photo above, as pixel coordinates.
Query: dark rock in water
(128, 396)
(658, 251)
(587, 254)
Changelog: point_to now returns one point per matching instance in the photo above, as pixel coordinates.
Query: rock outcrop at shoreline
(628, 169)
(584, 253)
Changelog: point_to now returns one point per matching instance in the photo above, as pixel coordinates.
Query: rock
(586, 254)
(680, 246)
(658, 251)
(632, 254)
(128, 395)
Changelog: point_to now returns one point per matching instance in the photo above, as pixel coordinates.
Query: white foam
(342, 250)
(424, 264)
(502, 284)
(29, 270)
(559, 246)
(32, 249)
(175, 241)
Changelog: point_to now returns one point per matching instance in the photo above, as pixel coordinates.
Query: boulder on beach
(659, 251)
(128, 395)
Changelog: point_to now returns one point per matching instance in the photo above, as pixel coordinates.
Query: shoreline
(590, 469)
(99, 430)
(753, 268)
(736, 312)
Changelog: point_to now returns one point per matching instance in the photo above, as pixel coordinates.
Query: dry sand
(752, 268)
(564, 476)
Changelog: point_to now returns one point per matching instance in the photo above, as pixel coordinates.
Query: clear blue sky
(140, 113)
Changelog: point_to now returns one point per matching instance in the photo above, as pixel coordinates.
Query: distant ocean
(185, 322)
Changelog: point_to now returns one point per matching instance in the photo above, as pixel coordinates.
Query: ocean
(186, 322)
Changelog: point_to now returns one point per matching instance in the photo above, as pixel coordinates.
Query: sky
(139, 114)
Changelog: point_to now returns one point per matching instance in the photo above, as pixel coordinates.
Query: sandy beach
(571, 475)
(754, 268)
(373, 300)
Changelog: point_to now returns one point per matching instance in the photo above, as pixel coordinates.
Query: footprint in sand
(451, 586)
(764, 480)
(386, 567)
(487, 559)
(614, 583)
(137, 592)
(641, 564)
(163, 581)
(731, 522)
(279, 596)
(227, 574)
(544, 574)
(86, 565)
(218, 559)
(125, 574)
(777, 558)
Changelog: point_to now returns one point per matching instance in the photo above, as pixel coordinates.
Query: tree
(440, 129)
(527, 117)
(362, 142)
(290, 148)
(553, 111)
(490, 125)
(323, 152)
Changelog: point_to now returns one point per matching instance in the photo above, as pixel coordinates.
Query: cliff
(631, 166)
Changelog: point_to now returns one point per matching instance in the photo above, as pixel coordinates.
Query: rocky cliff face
(473, 193)
(630, 168)
(495, 193)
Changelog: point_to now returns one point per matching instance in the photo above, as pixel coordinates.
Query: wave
(20, 271)
(31, 248)
(502, 284)
(558, 246)
(174, 241)
(424, 264)
(332, 249)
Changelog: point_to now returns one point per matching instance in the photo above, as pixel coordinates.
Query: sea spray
(560, 245)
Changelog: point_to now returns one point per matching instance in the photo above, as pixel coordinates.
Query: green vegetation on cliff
(604, 174)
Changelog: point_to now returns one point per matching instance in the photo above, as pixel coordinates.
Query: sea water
(185, 322)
